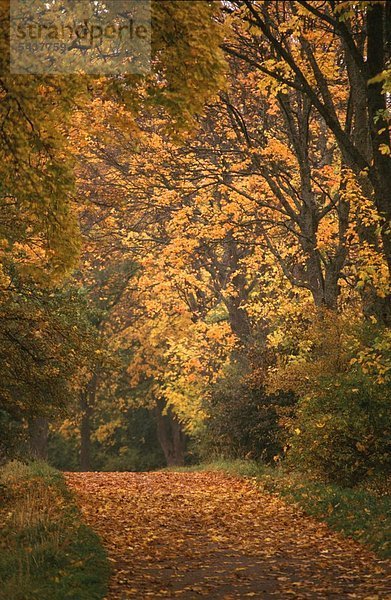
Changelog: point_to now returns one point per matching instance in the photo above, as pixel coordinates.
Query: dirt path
(206, 535)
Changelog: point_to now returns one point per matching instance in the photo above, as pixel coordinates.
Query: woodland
(199, 264)
(195, 262)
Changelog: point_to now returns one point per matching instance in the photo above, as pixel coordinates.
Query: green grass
(358, 513)
(46, 551)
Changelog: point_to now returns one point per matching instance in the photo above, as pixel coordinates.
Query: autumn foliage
(195, 266)
(210, 242)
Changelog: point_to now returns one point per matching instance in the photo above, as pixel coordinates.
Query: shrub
(63, 452)
(11, 438)
(343, 433)
(131, 459)
(244, 421)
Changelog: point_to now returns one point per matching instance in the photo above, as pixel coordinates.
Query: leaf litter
(209, 535)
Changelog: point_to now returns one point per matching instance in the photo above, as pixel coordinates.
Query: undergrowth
(46, 551)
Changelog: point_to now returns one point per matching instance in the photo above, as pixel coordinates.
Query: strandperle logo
(88, 36)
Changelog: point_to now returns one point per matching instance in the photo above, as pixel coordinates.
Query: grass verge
(46, 551)
(361, 514)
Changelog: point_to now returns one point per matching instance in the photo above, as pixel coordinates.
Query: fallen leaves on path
(194, 535)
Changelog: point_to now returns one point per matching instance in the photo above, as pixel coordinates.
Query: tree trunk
(87, 401)
(38, 437)
(238, 319)
(377, 109)
(170, 435)
(377, 55)
(368, 130)
(85, 433)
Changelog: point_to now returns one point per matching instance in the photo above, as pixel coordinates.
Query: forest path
(208, 535)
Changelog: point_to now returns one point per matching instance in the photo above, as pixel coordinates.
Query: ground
(208, 535)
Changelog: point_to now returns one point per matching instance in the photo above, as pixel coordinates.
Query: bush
(63, 452)
(343, 433)
(11, 438)
(244, 421)
(131, 459)
(131, 445)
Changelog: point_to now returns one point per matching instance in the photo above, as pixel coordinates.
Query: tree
(290, 43)
(46, 345)
(42, 117)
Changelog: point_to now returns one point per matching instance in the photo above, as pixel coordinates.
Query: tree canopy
(206, 248)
